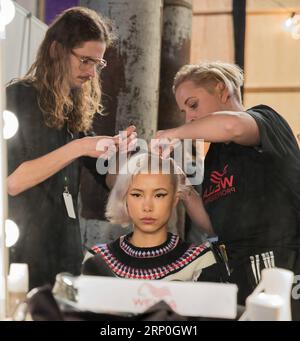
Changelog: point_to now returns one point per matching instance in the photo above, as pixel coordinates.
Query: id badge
(69, 204)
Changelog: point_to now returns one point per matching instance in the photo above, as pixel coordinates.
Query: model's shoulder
(203, 247)
(99, 248)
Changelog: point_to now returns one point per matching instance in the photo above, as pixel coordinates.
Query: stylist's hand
(187, 191)
(106, 146)
(97, 146)
(166, 134)
(127, 140)
(164, 143)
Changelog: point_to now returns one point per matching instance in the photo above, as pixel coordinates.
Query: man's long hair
(51, 71)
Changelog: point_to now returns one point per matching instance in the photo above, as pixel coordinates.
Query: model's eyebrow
(188, 99)
(155, 190)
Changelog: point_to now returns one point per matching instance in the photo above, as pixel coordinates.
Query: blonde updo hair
(116, 209)
(209, 74)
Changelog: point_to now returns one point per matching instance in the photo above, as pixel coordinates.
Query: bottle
(271, 300)
(17, 286)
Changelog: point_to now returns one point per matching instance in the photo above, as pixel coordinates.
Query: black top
(49, 240)
(172, 260)
(252, 195)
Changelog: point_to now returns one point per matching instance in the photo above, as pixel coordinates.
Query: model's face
(150, 200)
(91, 52)
(196, 102)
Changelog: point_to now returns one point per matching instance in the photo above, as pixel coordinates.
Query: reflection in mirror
(7, 13)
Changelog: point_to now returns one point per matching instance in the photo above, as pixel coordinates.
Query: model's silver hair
(116, 209)
(208, 74)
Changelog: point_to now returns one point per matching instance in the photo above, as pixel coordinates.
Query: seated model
(146, 199)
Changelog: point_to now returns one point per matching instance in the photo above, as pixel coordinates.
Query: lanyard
(66, 182)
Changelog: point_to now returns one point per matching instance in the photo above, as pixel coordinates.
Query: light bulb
(12, 232)
(11, 124)
(7, 12)
(289, 22)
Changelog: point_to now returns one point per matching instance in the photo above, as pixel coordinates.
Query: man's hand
(106, 146)
(127, 140)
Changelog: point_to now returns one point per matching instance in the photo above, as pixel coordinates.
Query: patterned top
(172, 260)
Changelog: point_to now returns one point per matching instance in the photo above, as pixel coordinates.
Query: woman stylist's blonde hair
(116, 209)
(209, 74)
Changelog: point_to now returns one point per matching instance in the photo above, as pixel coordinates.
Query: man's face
(196, 102)
(84, 60)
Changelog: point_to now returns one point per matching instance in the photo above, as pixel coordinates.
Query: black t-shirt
(49, 240)
(252, 194)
